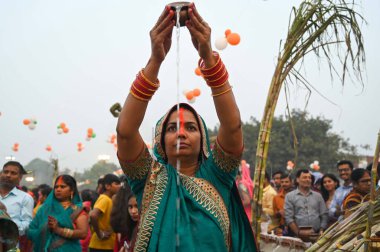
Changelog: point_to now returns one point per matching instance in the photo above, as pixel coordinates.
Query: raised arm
(129, 140)
(230, 135)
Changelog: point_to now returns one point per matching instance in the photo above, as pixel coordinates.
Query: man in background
(18, 203)
(103, 238)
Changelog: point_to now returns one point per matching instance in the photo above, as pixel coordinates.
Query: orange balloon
(189, 95)
(90, 131)
(15, 149)
(79, 144)
(65, 130)
(26, 121)
(198, 71)
(63, 125)
(233, 39)
(227, 32)
(48, 148)
(196, 92)
(15, 144)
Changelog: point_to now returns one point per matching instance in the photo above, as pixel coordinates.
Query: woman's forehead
(188, 116)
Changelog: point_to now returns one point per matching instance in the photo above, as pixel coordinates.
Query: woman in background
(61, 222)
(124, 224)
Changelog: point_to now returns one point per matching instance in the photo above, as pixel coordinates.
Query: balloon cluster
(62, 128)
(90, 134)
(192, 94)
(80, 146)
(229, 38)
(112, 140)
(48, 148)
(31, 123)
(15, 147)
(315, 165)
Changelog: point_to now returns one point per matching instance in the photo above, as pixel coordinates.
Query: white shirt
(19, 207)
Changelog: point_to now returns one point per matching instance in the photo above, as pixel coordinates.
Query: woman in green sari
(61, 222)
(187, 195)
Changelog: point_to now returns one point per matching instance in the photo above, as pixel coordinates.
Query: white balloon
(59, 131)
(31, 126)
(192, 100)
(33, 120)
(88, 138)
(221, 43)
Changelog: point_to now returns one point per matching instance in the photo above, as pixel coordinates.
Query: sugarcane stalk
(316, 26)
(372, 196)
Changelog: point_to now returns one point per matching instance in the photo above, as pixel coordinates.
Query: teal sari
(210, 216)
(45, 240)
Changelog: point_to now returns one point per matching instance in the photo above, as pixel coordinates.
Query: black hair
(17, 164)
(347, 162)
(299, 172)
(45, 189)
(120, 221)
(324, 192)
(358, 173)
(277, 172)
(285, 175)
(70, 181)
(101, 185)
(110, 178)
(86, 195)
(174, 108)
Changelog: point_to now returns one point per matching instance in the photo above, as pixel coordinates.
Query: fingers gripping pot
(183, 13)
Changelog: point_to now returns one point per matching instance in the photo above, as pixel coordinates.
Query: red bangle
(215, 76)
(219, 83)
(145, 80)
(142, 88)
(140, 93)
(211, 70)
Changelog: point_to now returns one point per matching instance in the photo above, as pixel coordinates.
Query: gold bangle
(223, 92)
(214, 80)
(64, 232)
(155, 85)
(137, 97)
(210, 75)
(201, 61)
(218, 86)
(70, 233)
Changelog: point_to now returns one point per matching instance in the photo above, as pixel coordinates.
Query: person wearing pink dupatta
(245, 186)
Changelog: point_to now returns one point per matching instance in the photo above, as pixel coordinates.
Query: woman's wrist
(209, 60)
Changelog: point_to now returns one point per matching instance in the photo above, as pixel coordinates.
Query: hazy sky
(69, 61)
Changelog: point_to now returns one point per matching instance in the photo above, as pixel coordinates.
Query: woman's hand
(200, 33)
(52, 223)
(161, 35)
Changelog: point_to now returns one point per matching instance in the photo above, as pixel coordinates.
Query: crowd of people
(60, 218)
(106, 219)
(297, 205)
(188, 195)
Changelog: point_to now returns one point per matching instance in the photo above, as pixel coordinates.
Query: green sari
(210, 216)
(45, 240)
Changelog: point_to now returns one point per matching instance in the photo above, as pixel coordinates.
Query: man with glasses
(345, 168)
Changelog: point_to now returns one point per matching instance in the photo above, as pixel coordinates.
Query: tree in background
(316, 141)
(92, 175)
